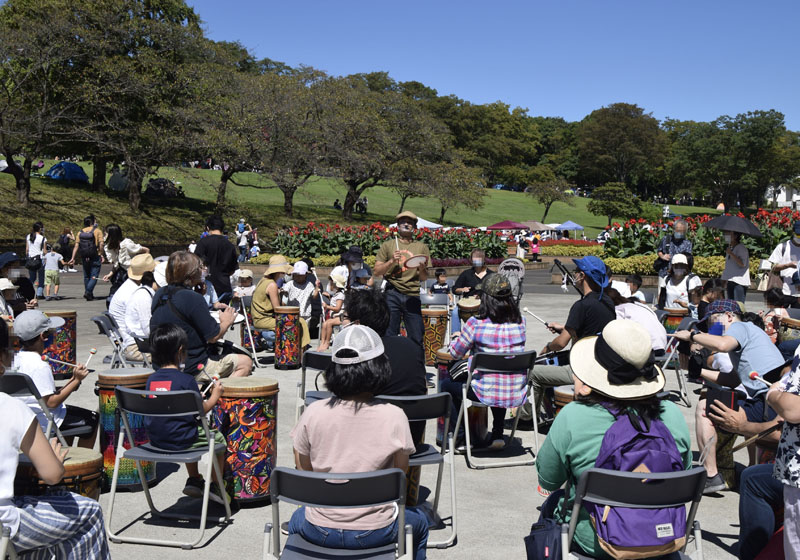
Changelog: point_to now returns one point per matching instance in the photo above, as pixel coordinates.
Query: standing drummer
(402, 283)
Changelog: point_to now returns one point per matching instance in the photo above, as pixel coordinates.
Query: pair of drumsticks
(92, 352)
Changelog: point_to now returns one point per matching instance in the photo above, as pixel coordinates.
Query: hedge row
(572, 251)
(707, 267)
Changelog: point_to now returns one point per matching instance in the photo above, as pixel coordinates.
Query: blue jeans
(91, 270)
(759, 491)
(788, 348)
(455, 320)
(407, 308)
(33, 275)
(736, 292)
(358, 539)
(243, 251)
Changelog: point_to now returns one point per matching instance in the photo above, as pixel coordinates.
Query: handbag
(775, 280)
(33, 262)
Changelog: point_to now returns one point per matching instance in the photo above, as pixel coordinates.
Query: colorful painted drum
(111, 426)
(435, 321)
(287, 338)
(477, 416)
(62, 343)
(467, 307)
(247, 415)
(564, 395)
(673, 318)
(247, 343)
(83, 471)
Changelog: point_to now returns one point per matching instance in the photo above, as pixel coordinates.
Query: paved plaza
(495, 507)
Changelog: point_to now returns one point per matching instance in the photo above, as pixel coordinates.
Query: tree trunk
(134, 188)
(349, 202)
(98, 173)
(546, 210)
(403, 198)
(222, 189)
(288, 199)
(441, 214)
(609, 220)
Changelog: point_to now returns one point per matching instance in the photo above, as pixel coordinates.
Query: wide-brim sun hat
(407, 214)
(141, 264)
(338, 280)
(278, 263)
(619, 363)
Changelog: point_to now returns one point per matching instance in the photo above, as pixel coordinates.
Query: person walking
(34, 250)
(64, 246)
(737, 267)
(119, 252)
(90, 250)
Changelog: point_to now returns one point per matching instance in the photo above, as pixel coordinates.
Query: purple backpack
(630, 445)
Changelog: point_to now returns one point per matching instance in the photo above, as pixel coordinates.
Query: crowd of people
(611, 347)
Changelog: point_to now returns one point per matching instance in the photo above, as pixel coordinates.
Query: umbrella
(508, 225)
(734, 223)
(536, 226)
(569, 225)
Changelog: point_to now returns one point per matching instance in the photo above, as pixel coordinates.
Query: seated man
(760, 495)
(750, 350)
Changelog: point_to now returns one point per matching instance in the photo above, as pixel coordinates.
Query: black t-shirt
(171, 433)
(589, 315)
(408, 367)
(220, 257)
(468, 279)
(197, 321)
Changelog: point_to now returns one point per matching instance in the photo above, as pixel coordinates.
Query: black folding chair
(164, 404)
(638, 490)
(318, 361)
(336, 490)
(428, 407)
(106, 328)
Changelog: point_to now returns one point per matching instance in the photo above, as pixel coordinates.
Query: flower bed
(707, 267)
(333, 260)
(316, 240)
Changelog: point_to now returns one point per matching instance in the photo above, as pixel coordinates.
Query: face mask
(15, 273)
(203, 275)
(477, 263)
(716, 328)
(728, 238)
(678, 272)
(678, 236)
(357, 266)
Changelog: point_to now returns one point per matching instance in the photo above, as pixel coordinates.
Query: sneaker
(497, 443)
(715, 484)
(216, 496)
(194, 487)
(285, 527)
(48, 298)
(71, 270)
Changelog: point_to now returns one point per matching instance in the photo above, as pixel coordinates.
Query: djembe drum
(789, 329)
(62, 343)
(435, 321)
(673, 318)
(111, 426)
(564, 395)
(288, 351)
(467, 307)
(247, 415)
(83, 472)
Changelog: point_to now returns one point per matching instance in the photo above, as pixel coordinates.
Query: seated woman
(628, 307)
(679, 282)
(266, 298)
(613, 371)
(59, 524)
(181, 302)
(498, 327)
(352, 432)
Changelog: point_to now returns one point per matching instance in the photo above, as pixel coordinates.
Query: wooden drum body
(673, 318)
(247, 415)
(564, 395)
(62, 343)
(83, 472)
(111, 426)
(467, 307)
(435, 321)
(287, 338)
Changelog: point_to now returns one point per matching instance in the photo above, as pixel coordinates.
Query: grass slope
(58, 205)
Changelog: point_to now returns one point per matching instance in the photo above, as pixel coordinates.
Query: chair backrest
(434, 299)
(317, 360)
(338, 490)
(105, 327)
(687, 323)
(640, 491)
(421, 407)
(247, 301)
(18, 385)
(794, 313)
(142, 344)
(111, 320)
(506, 362)
(159, 403)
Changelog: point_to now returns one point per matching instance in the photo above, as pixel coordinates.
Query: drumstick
(92, 352)
(48, 358)
(759, 435)
(396, 242)
(754, 375)
(526, 310)
(213, 382)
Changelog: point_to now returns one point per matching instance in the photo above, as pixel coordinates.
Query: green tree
(549, 192)
(614, 200)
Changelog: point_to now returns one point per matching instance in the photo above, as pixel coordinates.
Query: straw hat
(278, 263)
(619, 363)
(141, 264)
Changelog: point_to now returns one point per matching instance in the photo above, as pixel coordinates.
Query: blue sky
(686, 60)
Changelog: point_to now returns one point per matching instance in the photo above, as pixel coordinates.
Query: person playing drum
(498, 327)
(69, 525)
(178, 302)
(267, 297)
(402, 282)
(168, 343)
(466, 283)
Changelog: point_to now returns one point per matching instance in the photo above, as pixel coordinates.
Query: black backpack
(87, 248)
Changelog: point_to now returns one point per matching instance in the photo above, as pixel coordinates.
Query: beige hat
(338, 280)
(406, 214)
(619, 363)
(141, 264)
(245, 273)
(278, 263)
(6, 284)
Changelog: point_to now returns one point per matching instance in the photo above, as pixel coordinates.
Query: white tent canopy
(422, 223)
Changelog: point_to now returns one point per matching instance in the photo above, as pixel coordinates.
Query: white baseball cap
(360, 339)
(300, 268)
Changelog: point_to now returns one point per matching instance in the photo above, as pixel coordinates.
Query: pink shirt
(341, 439)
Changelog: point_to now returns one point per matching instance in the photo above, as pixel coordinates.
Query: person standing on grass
(90, 250)
(220, 256)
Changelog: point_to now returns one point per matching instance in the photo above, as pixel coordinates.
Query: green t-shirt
(405, 280)
(572, 446)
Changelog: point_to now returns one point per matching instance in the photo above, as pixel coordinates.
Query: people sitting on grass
(267, 297)
(615, 378)
(750, 350)
(169, 343)
(33, 327)
(59, 524)
(352, 432)
(332, 311)
(498, 327)
(180, 303)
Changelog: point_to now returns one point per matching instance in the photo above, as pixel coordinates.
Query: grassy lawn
(58, 205)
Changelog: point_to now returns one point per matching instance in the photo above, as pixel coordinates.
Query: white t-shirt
(137, 313)
(784, 253)
(35, 248)
(31, 364)
(735, 273)
(118, 305)
(639, 295)
(192, 247)
(645, 317)
(680, 291)
(51, 260)
(127, 250)
(17, 419)
(299, 296)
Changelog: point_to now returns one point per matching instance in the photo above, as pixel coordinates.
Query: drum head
(248, 386)
(435, 312)
(125, 377)
(287, 309)
(416, 260)
(443, 355)
(469, 303)
(80, 460)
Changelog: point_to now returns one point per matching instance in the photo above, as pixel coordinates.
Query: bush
(707, 267)
(322, 260)
(572, 250)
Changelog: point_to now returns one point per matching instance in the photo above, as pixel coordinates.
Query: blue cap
(361, 273)
(594, 268)
(722, 306)
(796, 227)
(8, 258)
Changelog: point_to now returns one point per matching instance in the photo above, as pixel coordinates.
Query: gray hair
(678, 222)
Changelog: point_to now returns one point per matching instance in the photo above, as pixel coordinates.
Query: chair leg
(471, 462)
(112, 494)
(698, 541)
(535, 415)
(450, 458)
(683, 386)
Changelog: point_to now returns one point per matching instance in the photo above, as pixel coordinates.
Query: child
(772, 318)
(168, 343)
(245, 287)
(333, 311)
(299, 291)
(441, 286)
(9, 293)
(535, 249)
(52, 263)
(713, 289)
(634, 282)
(695, 297)
(362, 277)
(32, 327)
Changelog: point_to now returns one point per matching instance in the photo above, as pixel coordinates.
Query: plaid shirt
(481, 335)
